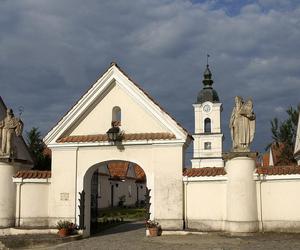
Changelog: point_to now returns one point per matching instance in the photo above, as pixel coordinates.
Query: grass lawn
(125, 213)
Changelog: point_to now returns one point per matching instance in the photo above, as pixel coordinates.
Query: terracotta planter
(153, 231)
(63, 232)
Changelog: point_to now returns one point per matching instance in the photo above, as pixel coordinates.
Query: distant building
(272, 156)
(116, 181)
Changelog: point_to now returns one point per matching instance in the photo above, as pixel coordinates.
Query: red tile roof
(278, 170)
(276, 151)
(139, 173)
(126, 137)
(199, 172)
(266, 159)
(118, 169)
(33, 174)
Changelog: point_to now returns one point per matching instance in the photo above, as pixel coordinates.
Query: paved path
(132, 236)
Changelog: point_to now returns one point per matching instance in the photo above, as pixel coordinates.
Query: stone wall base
(33, 222)
(205, 225)
(7, 222)
(242, 226)
(280, 226)
(170, 224)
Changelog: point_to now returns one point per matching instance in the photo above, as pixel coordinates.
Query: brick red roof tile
(33, 174)
(126, 137)
(278, 170)
(139, 173)
(118, 169)
(266, 159)
(200, 172)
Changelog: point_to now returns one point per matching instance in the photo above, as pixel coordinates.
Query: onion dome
(207, 93)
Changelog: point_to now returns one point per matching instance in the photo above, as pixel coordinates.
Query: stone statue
(242, 125)
(9, 126)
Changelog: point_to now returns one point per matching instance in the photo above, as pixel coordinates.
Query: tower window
(207, 125)
(207, 145)
(116, 116)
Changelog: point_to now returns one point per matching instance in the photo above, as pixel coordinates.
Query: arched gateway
(116, 119)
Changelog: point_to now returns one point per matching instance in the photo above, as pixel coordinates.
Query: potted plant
(153, 227)
(66, 228)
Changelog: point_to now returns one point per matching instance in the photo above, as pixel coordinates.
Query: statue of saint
(242, 125)
(9, 126)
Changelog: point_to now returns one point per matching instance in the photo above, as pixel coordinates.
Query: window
(207, 125)
(116, 116)
(207, 145)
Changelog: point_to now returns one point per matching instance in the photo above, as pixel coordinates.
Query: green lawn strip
(125, 213)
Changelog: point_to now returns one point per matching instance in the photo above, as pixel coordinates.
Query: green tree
(284, 133)
(37, 147)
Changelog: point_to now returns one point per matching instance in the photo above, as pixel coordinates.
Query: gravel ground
(132, 236)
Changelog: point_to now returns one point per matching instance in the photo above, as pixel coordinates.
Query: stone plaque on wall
(64, 196)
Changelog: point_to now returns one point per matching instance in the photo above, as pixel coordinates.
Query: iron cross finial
(207, 56)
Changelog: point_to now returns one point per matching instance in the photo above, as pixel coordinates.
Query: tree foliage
(37, 147)
(284, 133)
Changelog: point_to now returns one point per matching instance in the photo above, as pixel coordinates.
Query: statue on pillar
(242, 125)
(9, 127)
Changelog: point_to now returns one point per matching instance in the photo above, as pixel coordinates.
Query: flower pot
(63, 232)
(153, 231)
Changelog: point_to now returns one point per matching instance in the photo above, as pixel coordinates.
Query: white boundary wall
(32, 200)
(278, 203)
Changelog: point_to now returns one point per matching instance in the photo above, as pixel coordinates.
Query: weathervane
(207, 56)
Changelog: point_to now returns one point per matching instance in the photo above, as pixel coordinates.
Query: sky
(52, 51)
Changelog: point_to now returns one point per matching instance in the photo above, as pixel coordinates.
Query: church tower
(208, 136)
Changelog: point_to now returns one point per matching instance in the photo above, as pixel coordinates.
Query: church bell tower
(208, 136)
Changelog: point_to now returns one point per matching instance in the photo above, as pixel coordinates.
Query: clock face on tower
(206, 108)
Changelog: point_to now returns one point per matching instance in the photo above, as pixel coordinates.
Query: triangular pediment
(90, 118)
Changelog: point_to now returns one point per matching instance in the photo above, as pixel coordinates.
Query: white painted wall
(7, 195)
(32, 203)
(205, 203)
(277, 205)
(134, 118)
(104, 200)
(164, 177)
